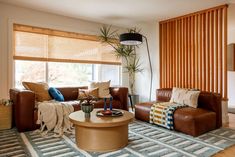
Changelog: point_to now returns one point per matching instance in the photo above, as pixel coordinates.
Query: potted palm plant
(127, 53)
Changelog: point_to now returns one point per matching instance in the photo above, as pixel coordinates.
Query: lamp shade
(130, 39)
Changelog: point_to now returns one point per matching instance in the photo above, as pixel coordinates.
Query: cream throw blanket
(55, 115)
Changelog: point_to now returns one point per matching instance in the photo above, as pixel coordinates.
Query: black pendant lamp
(136, 39)
(131, 39)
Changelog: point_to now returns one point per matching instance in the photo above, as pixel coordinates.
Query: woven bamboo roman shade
(42, 44)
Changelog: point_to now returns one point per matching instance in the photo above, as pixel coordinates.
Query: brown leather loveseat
(25, 112)
(188, 120)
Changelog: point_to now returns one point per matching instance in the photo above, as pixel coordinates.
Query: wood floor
(230, 152)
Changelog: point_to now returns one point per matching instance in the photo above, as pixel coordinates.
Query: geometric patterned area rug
(144, 140)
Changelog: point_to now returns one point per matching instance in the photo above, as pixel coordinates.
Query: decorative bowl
(87, 109)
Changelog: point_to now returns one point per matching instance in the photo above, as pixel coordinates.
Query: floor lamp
(136, 39)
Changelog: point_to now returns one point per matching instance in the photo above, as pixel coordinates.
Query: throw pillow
(82, 93)
(56, 94)
(191, 98)
(103, 88)
(178, 95)
(40, 90)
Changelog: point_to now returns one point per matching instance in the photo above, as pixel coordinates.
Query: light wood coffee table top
(78, 118)
(101, 134)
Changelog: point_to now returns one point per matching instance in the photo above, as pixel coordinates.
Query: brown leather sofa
(191, 121)
(25, 113)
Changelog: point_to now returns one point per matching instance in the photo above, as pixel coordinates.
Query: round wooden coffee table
(101, 134)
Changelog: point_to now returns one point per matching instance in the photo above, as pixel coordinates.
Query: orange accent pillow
(40, 89)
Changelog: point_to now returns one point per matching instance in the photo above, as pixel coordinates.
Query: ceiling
(119, 12)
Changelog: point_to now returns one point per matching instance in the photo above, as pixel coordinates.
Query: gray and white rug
(144, 140)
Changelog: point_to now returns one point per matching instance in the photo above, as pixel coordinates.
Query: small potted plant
(5, 102)
(87, 103)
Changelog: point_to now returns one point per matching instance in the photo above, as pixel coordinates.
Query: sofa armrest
(120, 94)
(212, 102)
(23, 109)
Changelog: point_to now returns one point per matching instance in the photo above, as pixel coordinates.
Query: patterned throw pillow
(103, 88)
(178, 95)
(191, 98)
(85, 92)
(185, 97)
(40, 90)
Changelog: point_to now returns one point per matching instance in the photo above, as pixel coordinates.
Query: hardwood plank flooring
(230, 152)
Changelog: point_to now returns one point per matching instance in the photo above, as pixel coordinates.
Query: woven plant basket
(5, 117)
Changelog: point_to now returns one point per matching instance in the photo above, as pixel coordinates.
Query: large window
(29, 71)
(65, 74)
(62, 58)
(69, 74)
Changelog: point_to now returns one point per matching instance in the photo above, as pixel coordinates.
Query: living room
(67, 45)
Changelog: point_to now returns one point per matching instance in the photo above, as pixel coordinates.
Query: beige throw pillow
(191, 98)
(85, 92)
(178, 95)
(103, 88)
(185, 96)
(40, 90)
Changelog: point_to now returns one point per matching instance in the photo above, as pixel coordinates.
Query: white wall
(231, 89)
(231, 40)
(12, 14)
(150, 30)
(230, 57)
(231, 23)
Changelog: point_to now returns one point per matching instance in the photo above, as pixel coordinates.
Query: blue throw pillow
(55, 94)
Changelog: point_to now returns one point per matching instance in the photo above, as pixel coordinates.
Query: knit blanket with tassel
(162, 114)
(54, 116)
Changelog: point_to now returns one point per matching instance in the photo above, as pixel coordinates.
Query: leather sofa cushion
(194, 121)
(163, 94)
(142, 111)
(70, 93)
